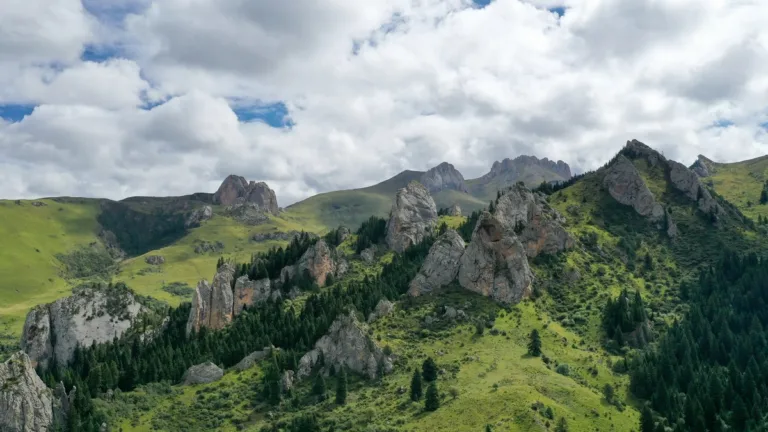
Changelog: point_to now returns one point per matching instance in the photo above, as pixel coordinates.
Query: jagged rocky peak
(441, 265)
(319, 262)
(626, 186)
(237, 190)
(346, 344)
(26, 404)
(537, 224)
(442, 177)
(90, 315)
(213, 304)
(495, 263)
(413, 216)
(516, 168)
(455, 210)
(703, 167)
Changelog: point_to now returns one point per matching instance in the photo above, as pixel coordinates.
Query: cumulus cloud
(372, 88)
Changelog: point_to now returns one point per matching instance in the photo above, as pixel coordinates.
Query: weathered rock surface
(236, 190)
(213, 304)
(671, 226)
(247, 213)
(455, 210)
(202, 374)
(442, 177)
(347, 345)
(198, 216)
(204, 246)
(250, 360)
(154, 260)
(249, 293)
(494, 264)
(89, 315)
(287, 380)
(413, 216)
(627, 187)
(319, 261)
(276, 235)
(369, 254)
(537, 225)
(383, 308)
(441, 265)
(528, 169)
(26, 404)
(703, 167)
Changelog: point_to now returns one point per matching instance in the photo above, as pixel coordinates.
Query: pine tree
(432, 399)
(646, 420)
(562, 425)
(488, 428)
(609, 393)
(341, 388)
(534, 343)
(416, 391)
(429, 370)
(319, 389)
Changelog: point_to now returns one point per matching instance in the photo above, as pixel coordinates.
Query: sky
(116, 98)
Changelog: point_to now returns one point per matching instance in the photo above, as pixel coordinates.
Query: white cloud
(432, 80)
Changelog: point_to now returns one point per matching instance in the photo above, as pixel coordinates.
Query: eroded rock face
(494, 264)
(89, 315)
(441, 265)
(528, 169)
(26, 404)
(154, 259)
(250, 360)
(413, 216)
(236, 190)
(383, 308)
(198, 216)
(537, 225)
(347, 345)
(287, 380)
(455, 210)
(202, 374)
(249, 293)
(368, 255)
(627, 187)
(688, 182)
(213, 304)
(442, 177)
(703, 166)
(319, 261)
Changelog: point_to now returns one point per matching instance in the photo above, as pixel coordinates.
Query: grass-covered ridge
(741, 183)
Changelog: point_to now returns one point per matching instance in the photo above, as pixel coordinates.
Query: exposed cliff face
(347, 344)
(441, 265)
(249, 293)
(26, 404)
(495, 264)
(703, 167)
(237, 190)
(319, 261)
(528, 169)
(90, 315)
(455, 210)
(537, 225)
(413, 216)
(213, 304)
(627, 187)
(442, 177)
(198, 216)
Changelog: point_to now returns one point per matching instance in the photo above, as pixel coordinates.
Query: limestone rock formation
(537, 225)
(248, 361)
(319, 261)
(90, 315)
(346, 345)
(494, 264)
(627, 187)
(441, 265)
(383, 308)
(703, 167)
(236, 189)
(202, 374)
(528, 169)
(287, 380)
(413, 216)
(154, 259)
(455, 210)
(369, 254)
(198, 216)
(26, 404)
(213, 304)
(442, 177)
(249, 293)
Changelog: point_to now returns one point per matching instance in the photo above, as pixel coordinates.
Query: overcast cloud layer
(372, 88)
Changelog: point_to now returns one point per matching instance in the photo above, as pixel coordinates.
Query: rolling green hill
(741, 183)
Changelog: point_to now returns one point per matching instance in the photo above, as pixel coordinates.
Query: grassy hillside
(32, 237)
(741, 184)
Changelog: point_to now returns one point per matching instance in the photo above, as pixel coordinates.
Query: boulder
(626, 186)
(368, 255)
(455, 210)
(154, 260)
(703, 167)
(495, 264)
(687, 182)
(213, 304)
(236, 190)
(318, 262)
(26, 404)
(287, 380)
(202, 374)
(383, 308)
(90, 315)
(413, 217)
(442, 177)
(250, 360)
(198, 216)
(346, 344)
(441, 265)
(276, 235)
(248, 293)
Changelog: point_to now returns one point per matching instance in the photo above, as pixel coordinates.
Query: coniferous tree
(647, 423)
(429, 370)
(488, 428)
(432, 398)
(534, 343)
(562, 425)
(319, 388)
(416, 391)
(341, 388)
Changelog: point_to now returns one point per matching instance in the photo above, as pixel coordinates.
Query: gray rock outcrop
(626, 186)
(250, 360)
(368, 255)
(455, 210)
(287, 380)
(319, 261)
(26, 404)
(442, 177)
(413, 216)
(383, 308)
(495, 264)
(527, 169)
(347, 344)
(275, 235)
(236, 190)
(90, 315)
(198, 216)
(703, 167)
(154, 260)
(248, 293)
(202, 374)
(441, 265)
(213, 304)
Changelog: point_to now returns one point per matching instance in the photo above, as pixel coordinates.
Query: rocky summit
(346, 345)
(528, 169)
(213, 304)
(442, 177)
(237, 190)
(26, 404)
(623, 182)
(90, 315)
(413, 217)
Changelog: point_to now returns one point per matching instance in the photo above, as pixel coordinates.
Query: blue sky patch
(560, 11)
(482, 3)
(274, 114)
(15, 112)
(97, 53)
(722, 123)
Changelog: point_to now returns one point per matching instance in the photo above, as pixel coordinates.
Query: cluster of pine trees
(709, 372)
(625, 315)
(371, 232)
